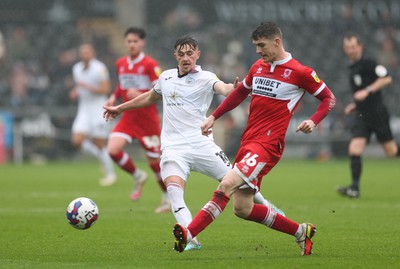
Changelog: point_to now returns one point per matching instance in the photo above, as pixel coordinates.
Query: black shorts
(378, 123)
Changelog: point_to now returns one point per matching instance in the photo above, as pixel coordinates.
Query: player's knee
(113, 150)
(391, 153)
(76, 142)
(241, 211)
(226, 186)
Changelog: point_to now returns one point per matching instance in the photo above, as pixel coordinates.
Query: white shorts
(209, 160)
(92, 125)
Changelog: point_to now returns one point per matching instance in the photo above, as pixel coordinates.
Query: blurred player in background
(92, 86)
(186, 92)
(137, 74)
(277, 82)
(367, 79)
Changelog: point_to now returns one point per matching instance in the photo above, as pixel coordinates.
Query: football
(82, 213)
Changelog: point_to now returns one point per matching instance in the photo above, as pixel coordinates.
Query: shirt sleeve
(157, 86)
(117, 91)
(248, 80)
(378, 70)
(154, 72)
(103, 73)
(74, 77)
(212, 80)
(310, 81)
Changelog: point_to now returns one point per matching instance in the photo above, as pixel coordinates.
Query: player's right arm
(143, 100)
(233, 100)
(225, 89)
(350, 108)
(383, 79)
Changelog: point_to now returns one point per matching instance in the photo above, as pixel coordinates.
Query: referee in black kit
(367, 79)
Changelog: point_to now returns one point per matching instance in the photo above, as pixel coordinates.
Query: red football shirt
(139, 74)
(277, 89)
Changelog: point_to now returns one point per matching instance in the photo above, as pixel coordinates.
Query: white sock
(137, 173)
(89, 147)
(259, 199)
(299, 233)
(107, 162)
(178, 205)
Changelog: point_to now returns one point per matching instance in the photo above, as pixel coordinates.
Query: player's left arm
(104, 87)
(143, 100)
(317, 88)
(383, 79)
(223, 88)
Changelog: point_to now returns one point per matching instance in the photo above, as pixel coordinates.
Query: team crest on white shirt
(190, 80)
(174, 95)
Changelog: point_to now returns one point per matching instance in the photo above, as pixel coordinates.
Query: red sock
(263, 215)
(123, 160)
(156, 169)
(285, 225)
(208, 213)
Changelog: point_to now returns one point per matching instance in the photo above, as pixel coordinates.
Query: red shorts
(143, 127)
(254, 160)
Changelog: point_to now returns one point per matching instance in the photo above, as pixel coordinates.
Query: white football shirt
(186, 100)
(94, 75)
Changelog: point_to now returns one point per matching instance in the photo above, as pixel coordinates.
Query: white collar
(196, 69)
(283, 61)
(131, 62)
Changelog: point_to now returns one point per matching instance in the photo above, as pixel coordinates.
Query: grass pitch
(34, 232)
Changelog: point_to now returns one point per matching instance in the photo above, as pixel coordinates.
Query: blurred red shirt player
(137, 74)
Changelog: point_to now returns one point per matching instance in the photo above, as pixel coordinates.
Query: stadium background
(38, 41)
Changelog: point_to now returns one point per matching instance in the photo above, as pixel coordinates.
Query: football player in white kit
(186, 93)
(92, 86)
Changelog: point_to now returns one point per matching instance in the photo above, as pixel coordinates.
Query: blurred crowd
(36, 61)
(36, 58)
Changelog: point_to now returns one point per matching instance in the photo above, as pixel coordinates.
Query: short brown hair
(267, 30)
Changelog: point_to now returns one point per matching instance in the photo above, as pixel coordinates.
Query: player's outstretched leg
(348, 192)
(181, 240)
(139, 177)
(165, 206)
(259, 199)
(304, 241)
(193, 244)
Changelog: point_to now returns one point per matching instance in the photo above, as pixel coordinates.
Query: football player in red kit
(276, 82)
(137, 74)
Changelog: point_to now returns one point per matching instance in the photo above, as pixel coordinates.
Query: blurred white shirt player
(92, 86)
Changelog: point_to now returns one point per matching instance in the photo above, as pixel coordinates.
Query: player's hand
(133, 93)
(361, 95)
(236, 82)
(111, 100)
(350, 108)
(73, 95)
(306, 126)
(207, 125)
(84, 86)
(111, 112)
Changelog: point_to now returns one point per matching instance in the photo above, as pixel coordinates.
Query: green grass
(34, 232)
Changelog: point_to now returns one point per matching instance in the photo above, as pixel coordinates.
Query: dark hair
(267, 30)
(350, 35)
(136, 31)
(186, 40)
